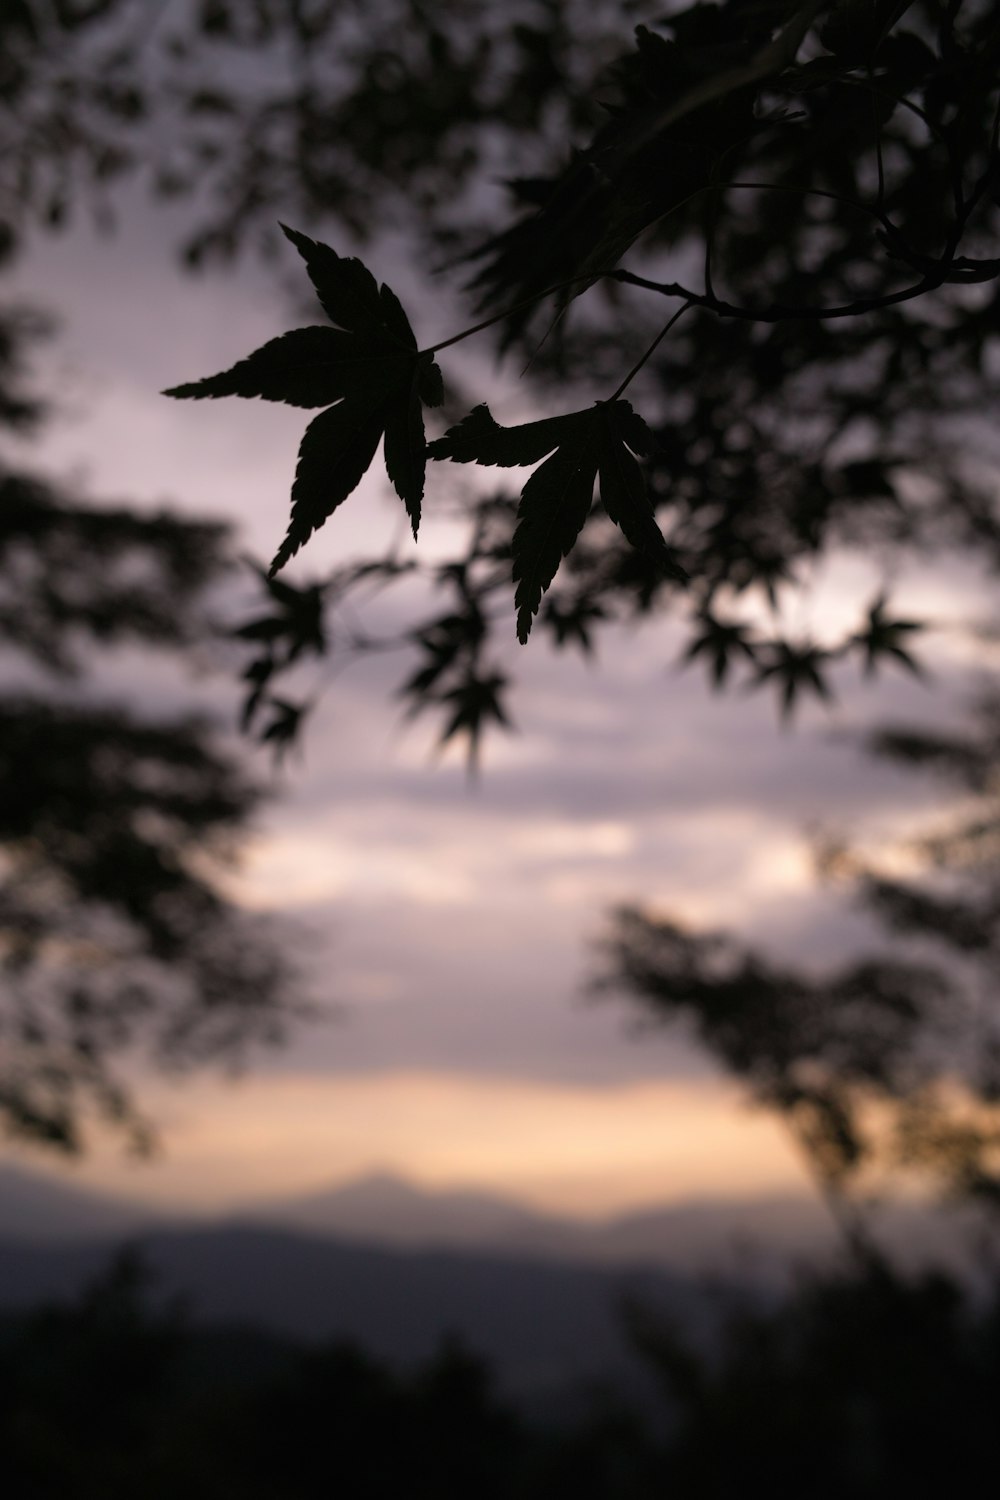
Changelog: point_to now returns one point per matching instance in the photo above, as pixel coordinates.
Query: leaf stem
(650, 351)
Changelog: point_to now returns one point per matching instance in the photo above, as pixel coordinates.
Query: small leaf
(883, 636)
(556, 500)
(475, 701)
(795, 668)
(720, 641)
(284, 727)
(570, 623)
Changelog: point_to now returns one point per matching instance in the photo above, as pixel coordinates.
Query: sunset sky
(450, 928)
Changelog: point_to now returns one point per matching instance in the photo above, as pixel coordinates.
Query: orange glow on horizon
(588, 1152)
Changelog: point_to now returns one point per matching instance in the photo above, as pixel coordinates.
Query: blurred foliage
(850, 1386)
(887, 1066)
(114, 941)
(117, 950)
(855, 1385)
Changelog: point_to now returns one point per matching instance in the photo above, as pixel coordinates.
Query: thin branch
(778, 312)
(558, 286)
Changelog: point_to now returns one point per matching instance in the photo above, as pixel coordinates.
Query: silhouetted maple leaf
(475, 700)
(572, 621)
(283, 729)
(369, 365)
(297, 622)
(556, 499)
(881, 637)
(719, 641)
(795, 668)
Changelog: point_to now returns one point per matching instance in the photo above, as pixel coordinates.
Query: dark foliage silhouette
(114, 942)
(854, 1384)
(116, 949)
(83, 1387)
(888, 1065)
(834, 176)
(813, 186)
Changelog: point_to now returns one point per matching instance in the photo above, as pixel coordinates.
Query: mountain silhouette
(763, 1235)
(40, 1209)
(760, 1236)
(545, 1326)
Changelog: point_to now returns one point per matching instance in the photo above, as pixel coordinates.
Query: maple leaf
(577, 449)
(795, 669)
(719, 641)
(369, 365)
(571, 622)
(474, 701)
(284, 727)
(297, 621)
(258, 674)
(883, 636)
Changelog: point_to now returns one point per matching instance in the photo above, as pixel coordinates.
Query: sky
(450, 929)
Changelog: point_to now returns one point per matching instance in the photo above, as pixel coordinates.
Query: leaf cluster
(556, 501)
(780, 417)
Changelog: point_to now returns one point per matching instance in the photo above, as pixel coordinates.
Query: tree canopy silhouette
(117, 950)
(773, 224)
(114, 939)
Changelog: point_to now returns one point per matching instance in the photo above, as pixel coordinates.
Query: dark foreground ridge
(541, 1324)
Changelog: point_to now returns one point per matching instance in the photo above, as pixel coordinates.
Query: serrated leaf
(556, 500)
(630, 427)
(623, 489)
(306, 367)
(370, 365)
(405, 449)
(335, 454)
(555, 503)
(479, 439)
(394, 319)
(346, 288)
(431, 385)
